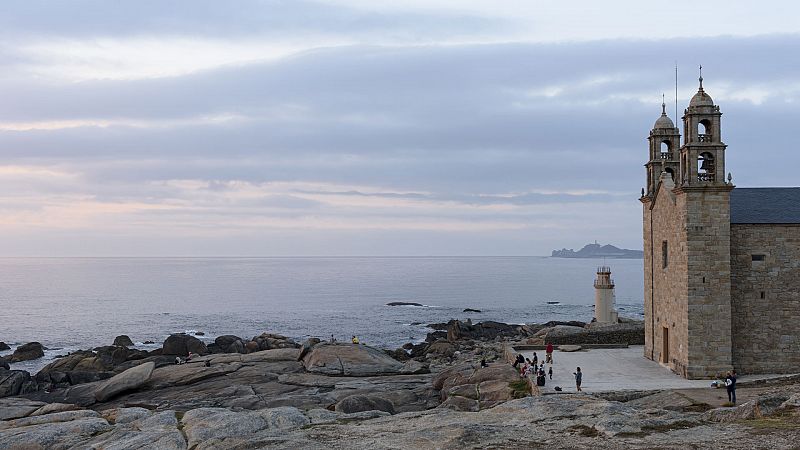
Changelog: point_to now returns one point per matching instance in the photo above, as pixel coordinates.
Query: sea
(80, 303)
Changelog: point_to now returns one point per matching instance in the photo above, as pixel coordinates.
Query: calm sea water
(78, 303)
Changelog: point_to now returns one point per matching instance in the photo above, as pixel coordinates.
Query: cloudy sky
(376, 127)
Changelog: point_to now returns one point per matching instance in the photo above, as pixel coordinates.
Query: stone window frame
(758, 260)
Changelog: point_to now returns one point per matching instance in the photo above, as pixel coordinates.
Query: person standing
(730, 386)
(578, 378)
(549, 352)
(550, 372)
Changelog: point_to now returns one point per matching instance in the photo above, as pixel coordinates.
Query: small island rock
(123, 341)
(404, 304)
(27, 352)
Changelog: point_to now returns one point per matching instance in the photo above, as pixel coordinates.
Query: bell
(707, 165)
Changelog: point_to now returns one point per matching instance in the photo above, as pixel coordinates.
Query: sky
(344, 127)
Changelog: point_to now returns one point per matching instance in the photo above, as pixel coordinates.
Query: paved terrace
(615, 369)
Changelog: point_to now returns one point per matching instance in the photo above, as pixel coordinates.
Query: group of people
(528, 367)
(354, 339)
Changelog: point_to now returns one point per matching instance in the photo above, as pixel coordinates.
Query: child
(550, 372)
(578, 379)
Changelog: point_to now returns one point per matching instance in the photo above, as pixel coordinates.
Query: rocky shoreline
(270, 391)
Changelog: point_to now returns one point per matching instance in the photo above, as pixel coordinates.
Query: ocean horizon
(72, 303)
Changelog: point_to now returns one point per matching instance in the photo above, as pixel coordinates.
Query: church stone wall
(709, 281)
(766, 331)
(669, 284)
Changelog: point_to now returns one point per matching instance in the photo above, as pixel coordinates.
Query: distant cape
(598, 251)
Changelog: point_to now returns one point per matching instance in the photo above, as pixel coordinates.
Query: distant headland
(598, 251)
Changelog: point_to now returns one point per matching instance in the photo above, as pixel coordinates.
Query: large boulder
(4, 364)
(4, 346)
(123, 341)
(27, 352)
(441, 348)
(229, 343)
(470, 388)
(181, 344)
(78, 367)
(269, 341)
(125, 381)
(15, 382)
(489, 330)
(351, 360)
(359, 403)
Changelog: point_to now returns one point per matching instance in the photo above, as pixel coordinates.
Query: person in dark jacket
(730, 386)
(578, 379)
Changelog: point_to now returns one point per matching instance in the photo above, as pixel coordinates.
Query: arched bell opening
(706, 167)
(704, 130)
(670, 172)
(666, 149)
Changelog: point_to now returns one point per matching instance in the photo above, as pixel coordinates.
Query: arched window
(705, 167)
(670, 172)
(704, 130)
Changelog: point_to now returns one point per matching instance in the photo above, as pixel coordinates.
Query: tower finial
(663, 106)
(701, 77)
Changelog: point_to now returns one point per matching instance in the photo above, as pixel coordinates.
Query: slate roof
(765, 205)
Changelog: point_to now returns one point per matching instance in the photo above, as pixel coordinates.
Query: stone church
(721, 263)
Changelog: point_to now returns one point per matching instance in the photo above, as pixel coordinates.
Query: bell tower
(702, 157)
(665, 141)
(687, 257)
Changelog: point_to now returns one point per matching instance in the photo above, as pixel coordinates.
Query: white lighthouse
(604, 296)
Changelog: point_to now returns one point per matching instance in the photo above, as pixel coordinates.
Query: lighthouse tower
(604, 296)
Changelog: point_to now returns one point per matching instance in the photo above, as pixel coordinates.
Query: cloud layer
(339, 128)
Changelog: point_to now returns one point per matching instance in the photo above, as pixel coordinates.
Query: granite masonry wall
(666, 284)
(688, 320)
(708, 273)
(765, 296)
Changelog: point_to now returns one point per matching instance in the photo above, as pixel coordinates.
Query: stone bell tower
(665, 142)
(687, 262)
(703, 154)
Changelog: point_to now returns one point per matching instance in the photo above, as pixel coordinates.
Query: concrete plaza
(613, 369)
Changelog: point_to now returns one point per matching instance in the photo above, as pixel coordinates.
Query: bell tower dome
(702, 157)
(665, 141)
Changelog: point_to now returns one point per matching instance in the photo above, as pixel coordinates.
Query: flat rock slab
(274, 355)
(569, 348)
(184, 374)
(15, 407)
(212, 427)
(350, 360)
(125, 381)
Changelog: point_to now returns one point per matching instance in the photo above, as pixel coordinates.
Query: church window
(758, 257)
(763, 295)
(664, 254)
